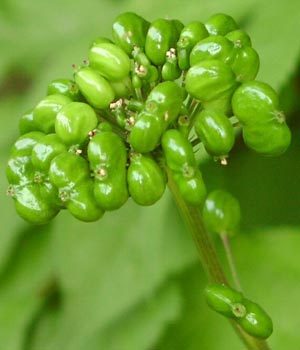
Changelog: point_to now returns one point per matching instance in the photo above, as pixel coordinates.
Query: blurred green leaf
(21, 286)
(141, 327)
(107, 268)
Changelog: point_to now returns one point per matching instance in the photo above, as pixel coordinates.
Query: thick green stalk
(208, 256)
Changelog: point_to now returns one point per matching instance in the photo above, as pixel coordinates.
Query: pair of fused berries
(138, 105)
(232, 304)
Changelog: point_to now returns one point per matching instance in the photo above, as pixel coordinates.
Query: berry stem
(233, 270)
(208, 255)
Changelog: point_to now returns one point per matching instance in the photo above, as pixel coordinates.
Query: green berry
(108, 158)
(82, 203)
(215, 131)
(45, 150)
(74, 122)
(189, 36)
(239, 38)
(145, 134)
(162, 35)
(19, 169)
(271, 138)
(221, 213)
(146, 180)
(110, 61)
(220, 24)
(212, 47)
(26, 123)
(170, 70)
(122, 88)
(256, 321)
(165, 100)
(100, 40)
(45, 112)
(224, 300)
(191, 186)
(66, 87)
(95, 88)
(210, 80)
(177, 150)
(255, 102)
(67, 170)
(32, 204)
(245, 64)
(129, 31)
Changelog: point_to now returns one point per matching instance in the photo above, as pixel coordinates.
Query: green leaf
(21, 286)
(138, 328)
(108, 267)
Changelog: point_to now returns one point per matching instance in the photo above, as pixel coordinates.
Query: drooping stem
(208, 255)
(230, 260)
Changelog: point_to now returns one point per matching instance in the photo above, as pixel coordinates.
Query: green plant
(134, 72)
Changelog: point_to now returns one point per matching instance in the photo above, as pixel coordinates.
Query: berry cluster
(136, 107)
(232, 304)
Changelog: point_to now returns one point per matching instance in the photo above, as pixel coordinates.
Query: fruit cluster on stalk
(138, 105)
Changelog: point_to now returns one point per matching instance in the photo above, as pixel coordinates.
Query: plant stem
(230, 260)
(208, 255)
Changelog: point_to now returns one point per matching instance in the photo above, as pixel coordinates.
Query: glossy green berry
(100, 40)
(224, 300)
(45, 112)
(94, 87)
(145, 134)
(129, 31)
(24, 144)
(110, 61)
(215, 131)
(170, 70)
(191, 186)
(222, 104)
(184, 125)
(26, 123)
(66, 87)
(220, 24)
(178, 25)
(189, 36)
(271, 138)
(165, 100)
(45, 150)
(122, 88)
(82, 203)
(66, 171)
(245, 64)
(256, 321)
(146, 180)
(212, 47)
(239, 38)
(32, 204)
(108, 158)
(74, 122)
(209, 80)
(221, 213)
(19, 169)
(178, 151)
(162, 35)
(255, 102)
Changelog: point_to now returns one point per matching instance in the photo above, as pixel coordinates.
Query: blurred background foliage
(133, 281)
